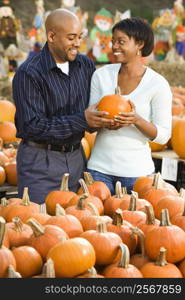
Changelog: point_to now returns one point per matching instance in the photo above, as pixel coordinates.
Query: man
(51, 94)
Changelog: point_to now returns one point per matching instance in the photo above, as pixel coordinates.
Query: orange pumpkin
(6, 256)
(18, 232)
(105, 243)
(123, 229)
(61, 196)
(69, 223)
(2, 175)
(28, 261)
(160, 268)
(182, 267)
(86, 147)
(178, 137)
(113, 202)
(7, 111)
(122, 269)
(8, 131)
(44, 237)
(96, 188)
(139, 259)
(77, 257)
(90, 137)
(171, 237)
(113, 104)
(11, 172)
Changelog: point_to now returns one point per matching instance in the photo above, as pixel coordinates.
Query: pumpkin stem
(125, 256)
(92, 273)
(2, 230)
(117, 217)
(25, 199)
(59, 210)
(150, 216)
(132, 204)
(48, 269)
(165, 219)
(124, 190)
(12, 273)
(64, 183)
(88, 178)
(83, 186)
(4, 202)
(118, 190)
(141, 236)
(161, 261)
(117, 90)
(18, 224)
(81, 204)
(93, 209)
(42, 208)
(182, 193)
(37, 228)
(101, 226)
(156, 180)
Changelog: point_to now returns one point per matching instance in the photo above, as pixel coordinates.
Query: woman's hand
(126, 119)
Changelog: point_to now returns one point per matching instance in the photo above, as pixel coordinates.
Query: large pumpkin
(178, 138)
(72, 257)
(113, 104)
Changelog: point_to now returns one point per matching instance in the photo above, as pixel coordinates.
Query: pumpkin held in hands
(113, 104)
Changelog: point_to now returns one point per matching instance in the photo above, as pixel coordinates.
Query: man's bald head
(59, 18)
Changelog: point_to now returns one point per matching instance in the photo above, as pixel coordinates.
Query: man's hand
(96, 119)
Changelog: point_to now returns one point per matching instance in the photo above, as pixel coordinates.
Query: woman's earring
(138, 52)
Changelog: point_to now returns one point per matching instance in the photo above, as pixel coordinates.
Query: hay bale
(174, 72)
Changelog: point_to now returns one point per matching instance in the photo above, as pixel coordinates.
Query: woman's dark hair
(140, 30)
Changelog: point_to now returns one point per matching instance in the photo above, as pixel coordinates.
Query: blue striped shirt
(50, 104)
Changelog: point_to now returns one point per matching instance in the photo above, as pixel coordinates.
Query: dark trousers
(41, 170)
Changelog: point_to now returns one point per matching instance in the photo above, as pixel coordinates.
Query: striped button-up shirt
(50, 104)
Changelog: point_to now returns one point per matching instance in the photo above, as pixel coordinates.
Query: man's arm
(33, 116)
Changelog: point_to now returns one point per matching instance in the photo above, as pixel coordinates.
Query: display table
(177, 167)
(8, 191)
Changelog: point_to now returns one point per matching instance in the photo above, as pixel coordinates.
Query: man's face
(65, 41)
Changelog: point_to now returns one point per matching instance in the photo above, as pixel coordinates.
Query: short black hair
(140, 30)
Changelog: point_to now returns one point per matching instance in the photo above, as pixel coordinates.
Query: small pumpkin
(122, 269)
(113, 104)
(160, 268)
(28, 261)
(169, 236)
(61, 196)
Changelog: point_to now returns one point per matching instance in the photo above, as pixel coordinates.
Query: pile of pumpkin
(178, 124)
(93, 234)
(8, 143)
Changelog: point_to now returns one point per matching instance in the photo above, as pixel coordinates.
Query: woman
(121, 152)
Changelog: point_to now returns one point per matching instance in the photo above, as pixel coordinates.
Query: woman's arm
(159, 129)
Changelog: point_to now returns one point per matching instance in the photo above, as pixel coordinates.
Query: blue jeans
(110, 180)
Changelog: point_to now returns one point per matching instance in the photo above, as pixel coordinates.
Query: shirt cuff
(163, 135)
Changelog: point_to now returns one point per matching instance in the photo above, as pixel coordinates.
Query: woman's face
(124, 47)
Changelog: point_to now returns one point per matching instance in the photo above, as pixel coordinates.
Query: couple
(51, 91)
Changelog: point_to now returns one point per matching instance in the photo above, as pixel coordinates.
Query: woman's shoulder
(156, 77)
(109, 68)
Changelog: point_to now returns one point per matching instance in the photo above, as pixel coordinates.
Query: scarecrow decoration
(101, 35)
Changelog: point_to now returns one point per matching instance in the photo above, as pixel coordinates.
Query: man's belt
(60, 148)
